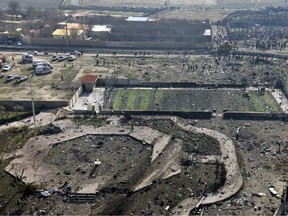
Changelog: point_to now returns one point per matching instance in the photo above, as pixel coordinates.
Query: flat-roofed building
(69, 34)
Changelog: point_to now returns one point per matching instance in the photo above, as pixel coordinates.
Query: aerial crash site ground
(161, 132)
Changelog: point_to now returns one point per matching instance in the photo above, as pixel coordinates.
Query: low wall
(27, 105)
(75, 96)
(138, 83)
(255, 115)
(84, 112)
(191, 115)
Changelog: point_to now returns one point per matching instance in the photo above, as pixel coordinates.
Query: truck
(2, 59)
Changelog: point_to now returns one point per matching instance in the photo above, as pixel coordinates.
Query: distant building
(100, 31)
(207, 32)
(77, 26)
(70, 34)
(88, 82)
(81, 16)
(137, 19)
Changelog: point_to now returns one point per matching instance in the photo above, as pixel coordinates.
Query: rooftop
(101, 28)
(89, 78)
(63, 32)
(137, 19)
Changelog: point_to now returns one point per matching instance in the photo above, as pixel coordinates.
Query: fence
(27, 105)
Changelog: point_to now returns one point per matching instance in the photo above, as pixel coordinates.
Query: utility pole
(67, 35)
(32, 99)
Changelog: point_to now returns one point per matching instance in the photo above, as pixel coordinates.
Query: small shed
(88, 82)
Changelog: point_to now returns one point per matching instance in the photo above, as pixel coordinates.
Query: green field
(191, 100)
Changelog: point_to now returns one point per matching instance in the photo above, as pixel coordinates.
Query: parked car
(72, 57)
(54, 57)
(33, 52)
(62, 58)
(19, 43)
(6, 68)
(1, 75)
(20, 78)
(76, 53)
(10, 77)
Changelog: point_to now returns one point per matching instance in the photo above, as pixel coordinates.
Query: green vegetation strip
(271, 103)
(159, 99)
(119, 94)
(133, 93)
(257, 104)
(145, 99)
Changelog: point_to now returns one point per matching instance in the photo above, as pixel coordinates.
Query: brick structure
(88, 82)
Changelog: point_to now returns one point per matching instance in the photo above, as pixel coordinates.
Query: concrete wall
(255, 115)
(119, 82)
(115, 44)
(75, 96)
(27, 105)
(192, 115)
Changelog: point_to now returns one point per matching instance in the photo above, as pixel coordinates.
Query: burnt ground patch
(194, 181)
(122, 158)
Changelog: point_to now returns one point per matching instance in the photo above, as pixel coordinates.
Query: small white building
(137, 19)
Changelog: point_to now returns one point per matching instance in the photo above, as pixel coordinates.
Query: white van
(36, 61)
(27, 57)
(42, 70)
(44, 63)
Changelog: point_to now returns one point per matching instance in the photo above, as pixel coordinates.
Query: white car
(76, 53)
(10, 77)
(19, 43)
(6, 68)
(1, 75)
(33, 52)
(62, 58)
(54, 58)
(72, 57)
(20, 78)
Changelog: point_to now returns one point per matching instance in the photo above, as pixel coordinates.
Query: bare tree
(74, 33)
(18, 108)
(2, 110)
(32, 12)
(14, 6)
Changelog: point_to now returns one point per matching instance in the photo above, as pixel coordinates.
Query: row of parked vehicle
(41, 66)
(69, 56)
(17, 78)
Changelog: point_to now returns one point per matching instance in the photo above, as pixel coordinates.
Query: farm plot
(39, 4)
(191, 100)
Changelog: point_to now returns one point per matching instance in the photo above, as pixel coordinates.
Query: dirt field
(177, 3)
(159, 68)
(45, 87)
